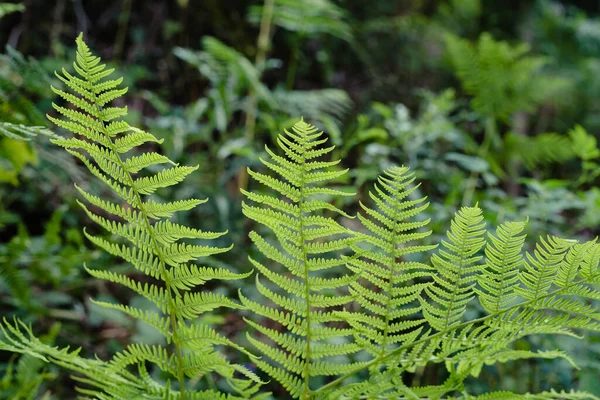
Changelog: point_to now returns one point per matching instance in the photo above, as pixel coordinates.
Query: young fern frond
(501, 272)
(390, 287)
(456, 267)
(153, 244)
(303, 295)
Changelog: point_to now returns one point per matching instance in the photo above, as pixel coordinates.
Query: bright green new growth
(308, 292)
(455, 267)
(390, 293)
(394, 309)
(142, 233)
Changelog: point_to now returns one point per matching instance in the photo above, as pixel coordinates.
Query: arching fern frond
(142, 233)
(301, 294)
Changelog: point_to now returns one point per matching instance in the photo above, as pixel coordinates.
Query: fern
(545, 293)
(23, 132)
(310, 294)
(502, 79)
(148, 240)
(391, 288)
(385, 305)
(456, 266)
(503, 262)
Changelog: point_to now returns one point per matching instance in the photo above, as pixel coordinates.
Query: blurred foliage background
(489, 102)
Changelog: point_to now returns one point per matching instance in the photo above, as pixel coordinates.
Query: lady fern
(145, 237)
(390, 292)
(394, 308)
(306, 294)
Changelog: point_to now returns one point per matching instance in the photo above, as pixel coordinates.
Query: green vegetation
(397, 201)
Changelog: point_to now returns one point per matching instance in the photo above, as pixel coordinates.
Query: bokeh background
(495, 102)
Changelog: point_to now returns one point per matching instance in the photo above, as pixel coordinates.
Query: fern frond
(156, 246)
(18, 337)
(389, 293)
(456, 267)
(306, 244)
(501, 271)
(23, 132)
(540, 268)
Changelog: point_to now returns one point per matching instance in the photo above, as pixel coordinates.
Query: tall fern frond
(301, 295)
(145, 237)
(390, 286)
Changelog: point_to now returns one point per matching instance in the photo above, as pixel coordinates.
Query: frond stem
(390, 278)
(307, 290)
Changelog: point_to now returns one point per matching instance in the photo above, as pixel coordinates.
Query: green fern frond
(501, 271)
(456, 270)
(501, 78)
(18, 337)
(541, 267)
(23, 132)
(155, 246)
(389, 291)
(305, 243)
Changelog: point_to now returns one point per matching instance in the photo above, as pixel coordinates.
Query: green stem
(402, 348)
(262, 47)
(306, 394)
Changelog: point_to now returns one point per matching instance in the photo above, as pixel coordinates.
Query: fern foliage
(332, 302)
(142, 233)
(311, 17)
(502, 79)
(389, 289)
(547, 291)
(456, 265)
(295, 278)
(23, 132)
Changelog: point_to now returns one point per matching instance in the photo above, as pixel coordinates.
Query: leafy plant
(154, 246)
(306, 241)
(9, 8)
(371, 329)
